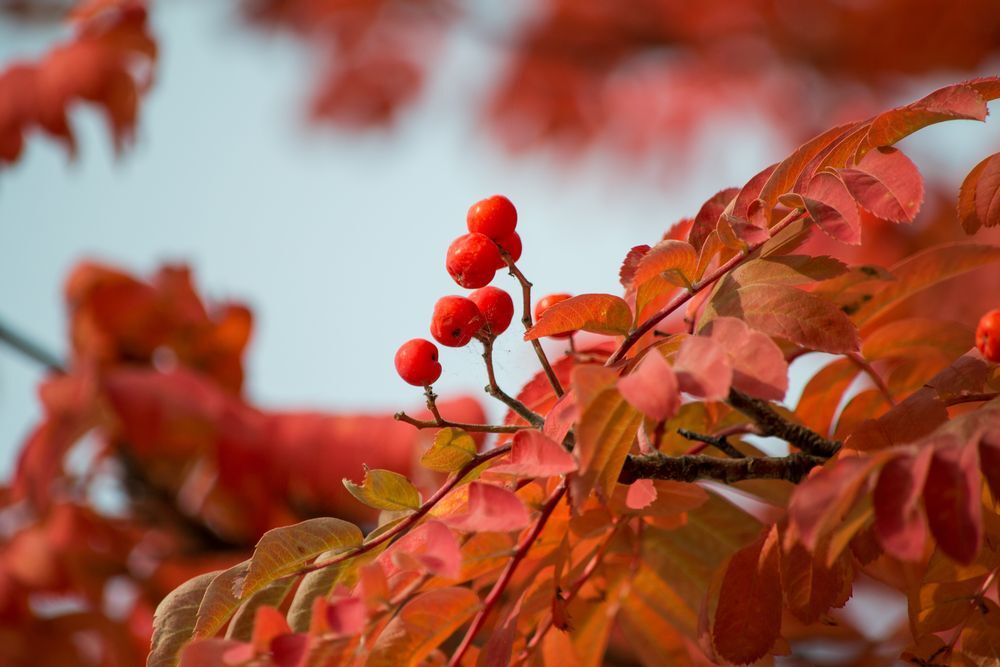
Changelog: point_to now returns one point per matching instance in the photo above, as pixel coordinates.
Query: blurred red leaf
(952, 499)
(491, 509)
(979, 197)
(703, 368)
(899, 519)
(759, 366)
(535, 455)
(652, 387)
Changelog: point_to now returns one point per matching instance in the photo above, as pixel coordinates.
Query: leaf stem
(719, 442)
(501, 584)
(444, 423)
(696, 288)
(526, 321)
(876, 379)
(30, 349)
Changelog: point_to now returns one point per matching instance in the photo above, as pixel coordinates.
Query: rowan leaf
(942, 605)
(748, 616)
(430, 547)
(491, 509)
(787, 173)
(282, 551)
(174, 620)
(789, 313)
(887, 184)
(708, 216)
(243, 622)
(821, 396)
(534, 455)
(452, 449)
(952, 499)
(652, 387)
(981, 637)
(313, 585)
(787, 270)
(959, 101)
(917, 416)
(385, 490)
(626, 274)
(922, 270)
(607, 427)
(674, 261)
(979, 196)
(422, 625)
(759, 366)
(828, 202)
(220, 600)
(899, 519)
(811, 587)
(703, 368)
(597, 313)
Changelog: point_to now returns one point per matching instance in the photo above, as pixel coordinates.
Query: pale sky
(336, 241)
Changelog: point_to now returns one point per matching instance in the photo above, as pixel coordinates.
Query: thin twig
(432, 403)
(526, 321)
(792, 468)
(30, 349)
(494, 390)
(411, 519)
(719, 442)
(697, 287)
(773, 424)
(501, 584)
(471, 428)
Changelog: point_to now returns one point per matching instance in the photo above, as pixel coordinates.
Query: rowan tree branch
(792, 468)
(773, 424)
(30, 349)
(526, 321)
(494, 390)
(719, 442)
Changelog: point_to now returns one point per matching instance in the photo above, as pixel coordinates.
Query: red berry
(496, 306)
(988, 335)
(417, 362)
(494, 216)
(473, 260)
(547, 302)
(512, 244)
(455, 321)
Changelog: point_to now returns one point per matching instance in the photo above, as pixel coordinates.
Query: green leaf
(421, 626)
(452, 449)
(174, 620)
(385, 490)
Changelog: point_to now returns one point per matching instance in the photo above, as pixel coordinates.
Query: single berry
(473, 260)
(417, 362)
(988, 335)
(512, 244)
(496, 306)
(494, 216)
(547, 302)
(455, 321)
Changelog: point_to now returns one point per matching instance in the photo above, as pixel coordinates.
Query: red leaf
(598, 313)
(703, 368)
(430, 547)
(810, 586)
(708, 216)
(957, 101)
(748, 617)
(346, 616)
(952, 499)
(268, 624)
(759, 366)
(899, 522)
(989, 456)
(830, 205)
(534, 455)
(491, 509)
(626, 274)
(652, 387)
(915, 417)
(561, 417)
(826, 496)
(887, 184)
(979, 197)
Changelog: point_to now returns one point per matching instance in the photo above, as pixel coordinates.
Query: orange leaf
(953, 102)
(421, 626)
(830, 205)
(597, 313)
(979, 197)
(886, 183)
(748, 616)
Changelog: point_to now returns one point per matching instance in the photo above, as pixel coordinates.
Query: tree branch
(494, 390)
(719, 442)
(526, 321)
(792, 468)
(773, 424)
(444, 423)
(30, 349)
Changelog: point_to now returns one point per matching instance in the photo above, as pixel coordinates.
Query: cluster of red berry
(472, 261)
